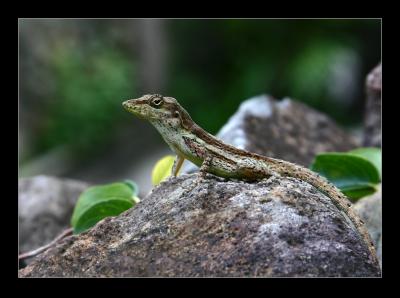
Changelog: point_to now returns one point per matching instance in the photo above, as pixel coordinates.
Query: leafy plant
(374, 155)
(101, 201)
(162, 169)
(356, 173)
(90, 82)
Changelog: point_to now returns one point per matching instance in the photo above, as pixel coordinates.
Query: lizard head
(163, 112)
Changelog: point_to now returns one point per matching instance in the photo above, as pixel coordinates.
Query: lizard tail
(337, 197)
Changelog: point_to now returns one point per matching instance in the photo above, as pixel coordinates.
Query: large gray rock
(285, 129)
(276, 227)
(45, 206)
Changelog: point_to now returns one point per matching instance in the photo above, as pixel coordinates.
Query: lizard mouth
(132, 108)
(127, 104)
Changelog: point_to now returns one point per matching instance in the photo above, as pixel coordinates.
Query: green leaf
(354, 175)
(133, 186)
(374, 155)
(163, 169)
(135, 199)
(98, 202)
(356, 193)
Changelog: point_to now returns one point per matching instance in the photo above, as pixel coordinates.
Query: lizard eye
(176, 114)
(156, 102)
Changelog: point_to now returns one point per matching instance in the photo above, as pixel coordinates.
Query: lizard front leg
(204, 169)
(205, 166)
(177, 164)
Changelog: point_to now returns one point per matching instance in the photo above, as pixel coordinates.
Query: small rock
(370, 211)
(275, 227)
(45, 208)
(372, 116)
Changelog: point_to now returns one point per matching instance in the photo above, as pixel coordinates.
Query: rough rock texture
(284, 129)
(276, 227)
(45, 206)
(370, 210)
(372, 118)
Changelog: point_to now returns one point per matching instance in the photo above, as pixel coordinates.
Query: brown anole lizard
(189, 141)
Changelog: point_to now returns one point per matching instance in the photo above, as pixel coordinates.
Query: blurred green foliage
(219, 63)
(212, 66)
(90, 85)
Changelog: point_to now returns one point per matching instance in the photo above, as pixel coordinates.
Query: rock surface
(370, 210)
(45, 206)
(276, 227)
(372, 117)
(284, 129)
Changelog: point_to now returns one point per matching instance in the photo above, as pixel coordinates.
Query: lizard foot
(197, 181)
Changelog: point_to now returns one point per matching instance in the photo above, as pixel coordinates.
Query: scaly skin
(191, 142)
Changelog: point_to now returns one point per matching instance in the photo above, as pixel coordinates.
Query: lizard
(189, 141)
